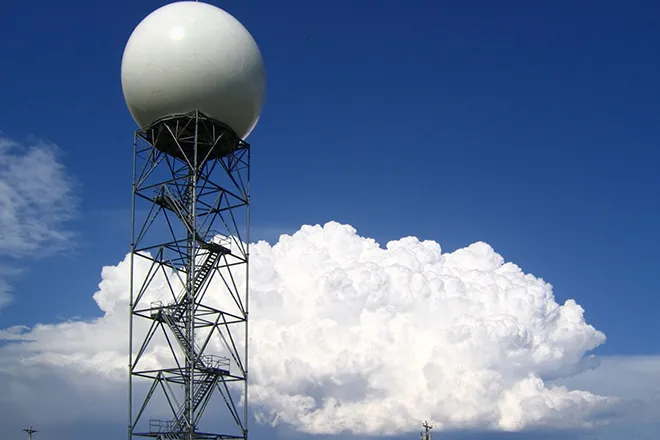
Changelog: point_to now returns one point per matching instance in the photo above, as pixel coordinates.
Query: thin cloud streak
(37, 203)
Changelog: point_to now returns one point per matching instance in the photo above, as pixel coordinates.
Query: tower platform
(178, 134)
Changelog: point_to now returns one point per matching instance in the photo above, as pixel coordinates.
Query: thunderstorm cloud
(349, 336)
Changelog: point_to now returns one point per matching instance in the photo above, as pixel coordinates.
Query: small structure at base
(30, 431)
(426, 434)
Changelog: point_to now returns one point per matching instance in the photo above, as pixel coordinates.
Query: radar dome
(188, 56)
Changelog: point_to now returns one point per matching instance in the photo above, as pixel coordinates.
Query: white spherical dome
(188, 56)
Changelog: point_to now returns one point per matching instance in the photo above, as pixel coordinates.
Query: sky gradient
(531, 127)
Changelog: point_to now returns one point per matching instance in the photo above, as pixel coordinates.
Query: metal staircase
(173, 429)
(171, 204)
(201, 391)
(212, 248)
(201, 276)
(210, 367)
(179, 335)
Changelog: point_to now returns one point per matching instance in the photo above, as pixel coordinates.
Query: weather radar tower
(193, 79)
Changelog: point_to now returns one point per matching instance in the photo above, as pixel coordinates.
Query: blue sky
(532, 126)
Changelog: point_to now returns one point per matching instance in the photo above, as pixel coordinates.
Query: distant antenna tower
(426, 434)
(30, 431)
(193, 79)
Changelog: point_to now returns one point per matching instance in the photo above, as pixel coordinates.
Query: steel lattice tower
(191, 221)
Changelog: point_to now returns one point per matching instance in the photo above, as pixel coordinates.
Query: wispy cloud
(36, 203)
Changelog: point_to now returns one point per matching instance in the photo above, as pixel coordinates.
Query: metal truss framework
(190, 219)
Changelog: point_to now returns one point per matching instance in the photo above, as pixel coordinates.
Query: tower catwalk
(191, 224)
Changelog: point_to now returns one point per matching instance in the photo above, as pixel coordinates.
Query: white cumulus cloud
(36, 202)
(348, 336)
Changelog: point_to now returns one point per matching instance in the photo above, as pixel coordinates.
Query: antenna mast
(30, 431)
(426, 434)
